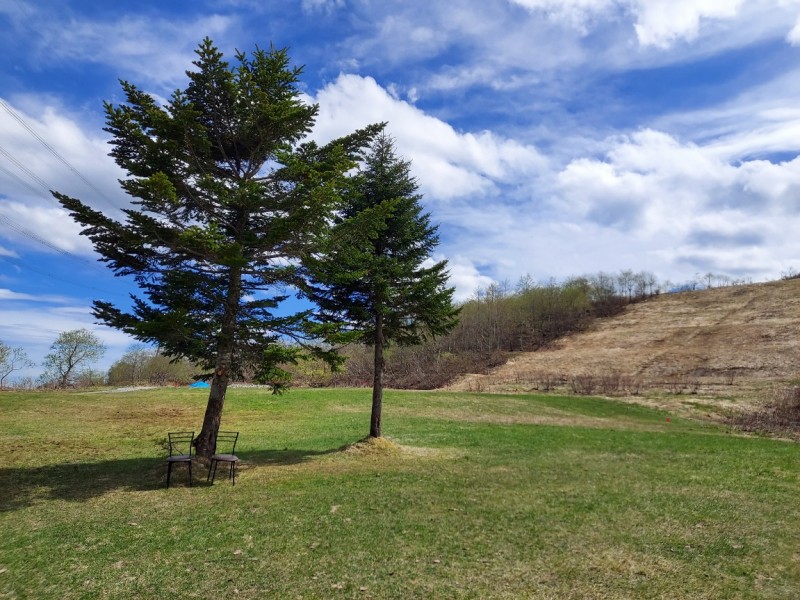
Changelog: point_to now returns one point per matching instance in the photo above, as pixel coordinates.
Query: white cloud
(36, 328)
(7, 294)
(324, 6)
(465, 277)
(793, 37)
(511, 211)
(659, 23)
(576, 13)
(707, 213)
(52, 224)
(662, 22)
(447, 163)
(153, 50)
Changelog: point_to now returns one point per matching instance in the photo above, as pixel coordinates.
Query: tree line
(497, 320)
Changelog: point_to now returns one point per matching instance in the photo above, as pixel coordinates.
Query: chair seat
(180, 445)
(226, 440)
(225, 457)
(180, 458)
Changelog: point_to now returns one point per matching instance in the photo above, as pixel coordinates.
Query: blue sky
(549, 137)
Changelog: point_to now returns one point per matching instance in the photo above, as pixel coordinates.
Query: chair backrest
(181, 443)
(226, 442)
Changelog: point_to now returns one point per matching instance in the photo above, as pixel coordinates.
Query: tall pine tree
(376, 279)
(226, 197)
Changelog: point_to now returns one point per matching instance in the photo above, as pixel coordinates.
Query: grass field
(478, 496)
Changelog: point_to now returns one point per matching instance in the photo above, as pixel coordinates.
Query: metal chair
(180, 451)
(227, 440)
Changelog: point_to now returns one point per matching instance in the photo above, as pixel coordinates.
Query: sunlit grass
(473, 496)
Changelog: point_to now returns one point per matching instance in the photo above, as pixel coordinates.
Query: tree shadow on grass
(21, 487)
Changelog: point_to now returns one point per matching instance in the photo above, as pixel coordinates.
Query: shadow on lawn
(24, 486)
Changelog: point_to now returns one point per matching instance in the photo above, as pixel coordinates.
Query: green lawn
(481, 496)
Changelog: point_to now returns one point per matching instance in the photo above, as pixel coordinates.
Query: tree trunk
(377, 380)
(206, 441)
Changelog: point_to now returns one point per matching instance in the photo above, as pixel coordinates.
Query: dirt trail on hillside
(748, 334)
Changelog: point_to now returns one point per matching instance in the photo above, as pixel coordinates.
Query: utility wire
(23, 182)
(24, 169)
(52, 151)
(11, 224)
(28, 233)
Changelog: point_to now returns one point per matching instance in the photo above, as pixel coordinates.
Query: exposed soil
(731, 344)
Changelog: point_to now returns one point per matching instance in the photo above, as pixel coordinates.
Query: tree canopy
(376, 279)
(228, 194)
(79, 347)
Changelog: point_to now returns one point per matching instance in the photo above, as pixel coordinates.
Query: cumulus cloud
(72, 157)
(155, 50)
(507, 208)
(657, 23)
(447, 163)
(793, 37)
(714, 211)
(662, 22)
(466, 278)
(54, 225)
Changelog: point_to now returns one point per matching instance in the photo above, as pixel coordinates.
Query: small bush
(610, 383)
(780, 416)
(547, 381)
(583, 384)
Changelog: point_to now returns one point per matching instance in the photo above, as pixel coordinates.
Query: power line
(22, 181)
(11, 224)
(28, 233)
(24, 169)
(52, 151)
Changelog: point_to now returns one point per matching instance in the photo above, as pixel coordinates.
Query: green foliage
(376, 268)
(142, 365)
(374, 280)
(227, 197)
(72, 349)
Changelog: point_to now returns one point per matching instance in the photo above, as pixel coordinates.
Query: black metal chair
(181, 444)
(225, 440)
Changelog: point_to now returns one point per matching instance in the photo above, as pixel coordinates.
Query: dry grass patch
(373, 446)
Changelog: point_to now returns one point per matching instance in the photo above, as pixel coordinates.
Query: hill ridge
(746, 334)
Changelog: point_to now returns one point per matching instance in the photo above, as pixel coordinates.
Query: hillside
(731, 342)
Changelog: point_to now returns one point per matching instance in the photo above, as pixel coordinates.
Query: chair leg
(212, 472)
(169, 472)
(232, 474)
(190, 473)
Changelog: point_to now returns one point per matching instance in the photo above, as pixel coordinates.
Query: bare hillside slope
(741, 336)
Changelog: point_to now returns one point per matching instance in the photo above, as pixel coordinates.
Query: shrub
(781, 415)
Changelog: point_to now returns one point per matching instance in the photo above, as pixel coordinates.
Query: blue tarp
(199, 384)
